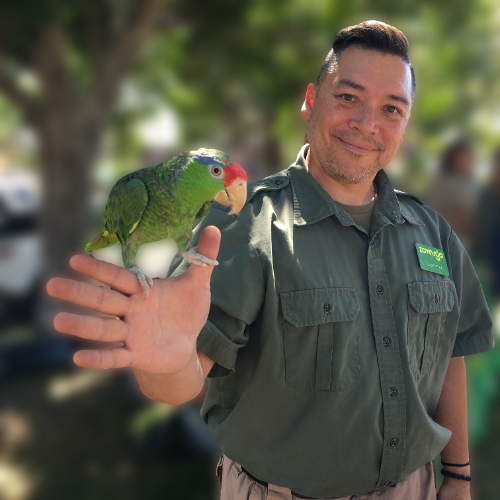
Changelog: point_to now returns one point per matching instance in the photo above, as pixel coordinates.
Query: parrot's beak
(235, 193)
(234, 196)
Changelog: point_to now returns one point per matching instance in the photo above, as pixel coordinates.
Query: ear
(308, 101)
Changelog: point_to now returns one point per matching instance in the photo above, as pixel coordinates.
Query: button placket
(389, 362)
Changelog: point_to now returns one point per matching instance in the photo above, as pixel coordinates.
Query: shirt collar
(312, 203)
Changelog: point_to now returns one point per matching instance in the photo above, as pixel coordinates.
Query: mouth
(356, 147)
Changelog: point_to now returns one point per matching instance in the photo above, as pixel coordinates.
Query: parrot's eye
(216, 170)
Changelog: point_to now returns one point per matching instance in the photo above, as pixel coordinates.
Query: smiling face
(358, 116)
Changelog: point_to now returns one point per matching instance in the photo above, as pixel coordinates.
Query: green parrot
(162, 201)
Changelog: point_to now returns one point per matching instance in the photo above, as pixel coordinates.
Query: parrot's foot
(193, 257)
(145, 281)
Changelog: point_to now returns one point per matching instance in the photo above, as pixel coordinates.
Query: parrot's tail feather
(102, 241)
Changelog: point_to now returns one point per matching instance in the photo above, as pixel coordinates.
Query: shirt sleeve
(237, 291)
(475, 329)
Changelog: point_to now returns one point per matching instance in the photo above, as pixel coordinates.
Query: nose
(364, 120)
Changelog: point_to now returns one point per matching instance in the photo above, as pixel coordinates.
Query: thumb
(208, 245)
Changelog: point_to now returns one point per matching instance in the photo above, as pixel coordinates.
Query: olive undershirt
(361, 215)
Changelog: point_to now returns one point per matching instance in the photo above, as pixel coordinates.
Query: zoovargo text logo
(435, 253)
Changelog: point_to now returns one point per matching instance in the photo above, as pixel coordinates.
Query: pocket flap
(325, 305)
(431, 296)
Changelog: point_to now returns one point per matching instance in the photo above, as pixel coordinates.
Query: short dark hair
(370, 35)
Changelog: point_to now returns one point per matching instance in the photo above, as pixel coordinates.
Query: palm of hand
(161, 332)
(155, 335)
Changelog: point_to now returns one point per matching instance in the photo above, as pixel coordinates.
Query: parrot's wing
(203, 212)
(127, 201)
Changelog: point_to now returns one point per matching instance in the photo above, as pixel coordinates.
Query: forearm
(179, 387)
(452, 414)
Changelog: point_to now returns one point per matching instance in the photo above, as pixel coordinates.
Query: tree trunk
(66, 160)
(67, 152)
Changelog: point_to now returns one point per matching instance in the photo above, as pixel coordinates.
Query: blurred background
(90, 91)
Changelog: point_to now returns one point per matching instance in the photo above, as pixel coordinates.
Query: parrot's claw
(193, 257)
(145, 281)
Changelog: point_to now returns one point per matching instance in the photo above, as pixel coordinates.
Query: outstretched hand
(157, 334)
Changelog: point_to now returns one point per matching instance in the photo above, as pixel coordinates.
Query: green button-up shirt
(331, 344)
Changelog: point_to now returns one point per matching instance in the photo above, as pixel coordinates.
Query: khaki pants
(238, 485)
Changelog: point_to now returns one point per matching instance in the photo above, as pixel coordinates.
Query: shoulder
(412, 207)
(273, 183)
(402, 195)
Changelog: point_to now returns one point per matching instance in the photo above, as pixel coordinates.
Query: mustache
(344, 134)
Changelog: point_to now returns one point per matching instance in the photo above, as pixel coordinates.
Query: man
(339, 314)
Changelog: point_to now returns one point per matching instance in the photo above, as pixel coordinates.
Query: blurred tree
(236, 71)
(61, 64)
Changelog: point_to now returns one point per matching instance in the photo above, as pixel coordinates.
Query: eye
(347, 97)
(392, 109)
(216, 170)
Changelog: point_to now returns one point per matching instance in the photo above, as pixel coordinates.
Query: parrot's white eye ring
(216, 170)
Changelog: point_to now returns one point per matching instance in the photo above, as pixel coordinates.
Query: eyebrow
(349, 83)
(356, 86)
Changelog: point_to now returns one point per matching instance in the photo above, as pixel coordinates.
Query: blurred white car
(20, 245)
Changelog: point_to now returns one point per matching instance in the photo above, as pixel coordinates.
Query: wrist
(456, 466)
(456, 484)
(173, 388)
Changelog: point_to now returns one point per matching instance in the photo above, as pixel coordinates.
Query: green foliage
(230, 68)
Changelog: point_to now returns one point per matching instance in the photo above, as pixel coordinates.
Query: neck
(347, 194)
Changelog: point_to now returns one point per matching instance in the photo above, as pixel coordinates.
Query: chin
(349, 173)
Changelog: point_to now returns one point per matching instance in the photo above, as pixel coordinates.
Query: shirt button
(387, 483)
(372, 244)
(327, 308)
(392, 392)
(278, 182)
(393, 442)
(386, 341)
(436, 298)
(379, 289)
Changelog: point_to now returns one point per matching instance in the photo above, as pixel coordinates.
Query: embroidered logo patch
(432, 259)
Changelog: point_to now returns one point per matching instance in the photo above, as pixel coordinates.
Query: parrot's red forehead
(233, 171)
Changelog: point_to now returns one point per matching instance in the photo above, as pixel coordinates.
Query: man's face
(358, 116)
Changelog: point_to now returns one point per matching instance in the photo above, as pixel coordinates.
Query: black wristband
(455, 465)
(455, 476)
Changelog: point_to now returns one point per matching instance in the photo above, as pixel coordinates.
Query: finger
(92, 328)
(208, 245)
(111, 357)
(90, 296)
(116, 277)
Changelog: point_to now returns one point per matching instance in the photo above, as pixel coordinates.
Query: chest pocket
(320, 338)
(429, 302)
